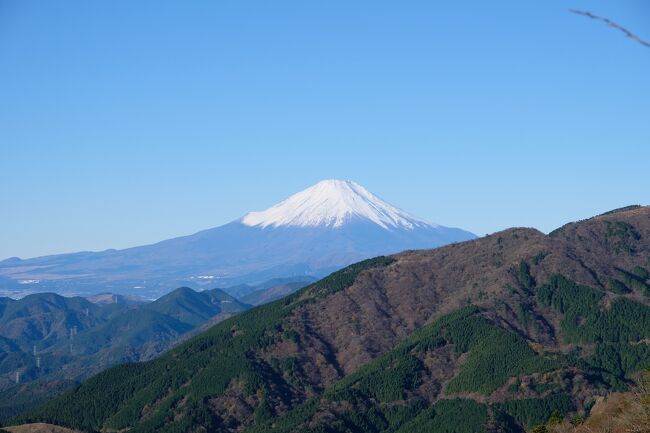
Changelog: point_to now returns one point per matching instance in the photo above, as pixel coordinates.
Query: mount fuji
(316, 231)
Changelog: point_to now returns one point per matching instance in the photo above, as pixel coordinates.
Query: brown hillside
(344, 331)
(328, 334)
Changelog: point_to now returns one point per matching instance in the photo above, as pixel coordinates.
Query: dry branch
(612, 24)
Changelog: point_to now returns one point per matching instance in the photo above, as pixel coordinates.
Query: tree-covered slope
(46, 318)
(195, 308)
(495, 334)
(49, 341)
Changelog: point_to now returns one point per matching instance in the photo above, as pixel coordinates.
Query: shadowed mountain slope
(49, 341)
(493, 334)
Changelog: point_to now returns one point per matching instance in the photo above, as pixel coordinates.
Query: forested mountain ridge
(51, 341)
(494, 334)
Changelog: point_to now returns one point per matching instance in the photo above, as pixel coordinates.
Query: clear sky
(124, 122)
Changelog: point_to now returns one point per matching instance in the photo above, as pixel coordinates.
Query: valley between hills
(51, 342)
(516, 331)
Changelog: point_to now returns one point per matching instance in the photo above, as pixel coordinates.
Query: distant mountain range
(497, 335)
(48, 342)
(316, 231)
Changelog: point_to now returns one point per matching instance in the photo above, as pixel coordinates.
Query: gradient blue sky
(123, 123)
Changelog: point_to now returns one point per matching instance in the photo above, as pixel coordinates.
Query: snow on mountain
(332, 203)
(312, 233)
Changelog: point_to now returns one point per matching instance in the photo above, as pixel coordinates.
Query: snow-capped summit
(312, 233)
(332, 203)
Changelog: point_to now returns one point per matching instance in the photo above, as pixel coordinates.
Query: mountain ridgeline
(496, 334)
(314, 232)
(49, 341)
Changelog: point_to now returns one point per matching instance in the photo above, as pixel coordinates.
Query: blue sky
(123, 123)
